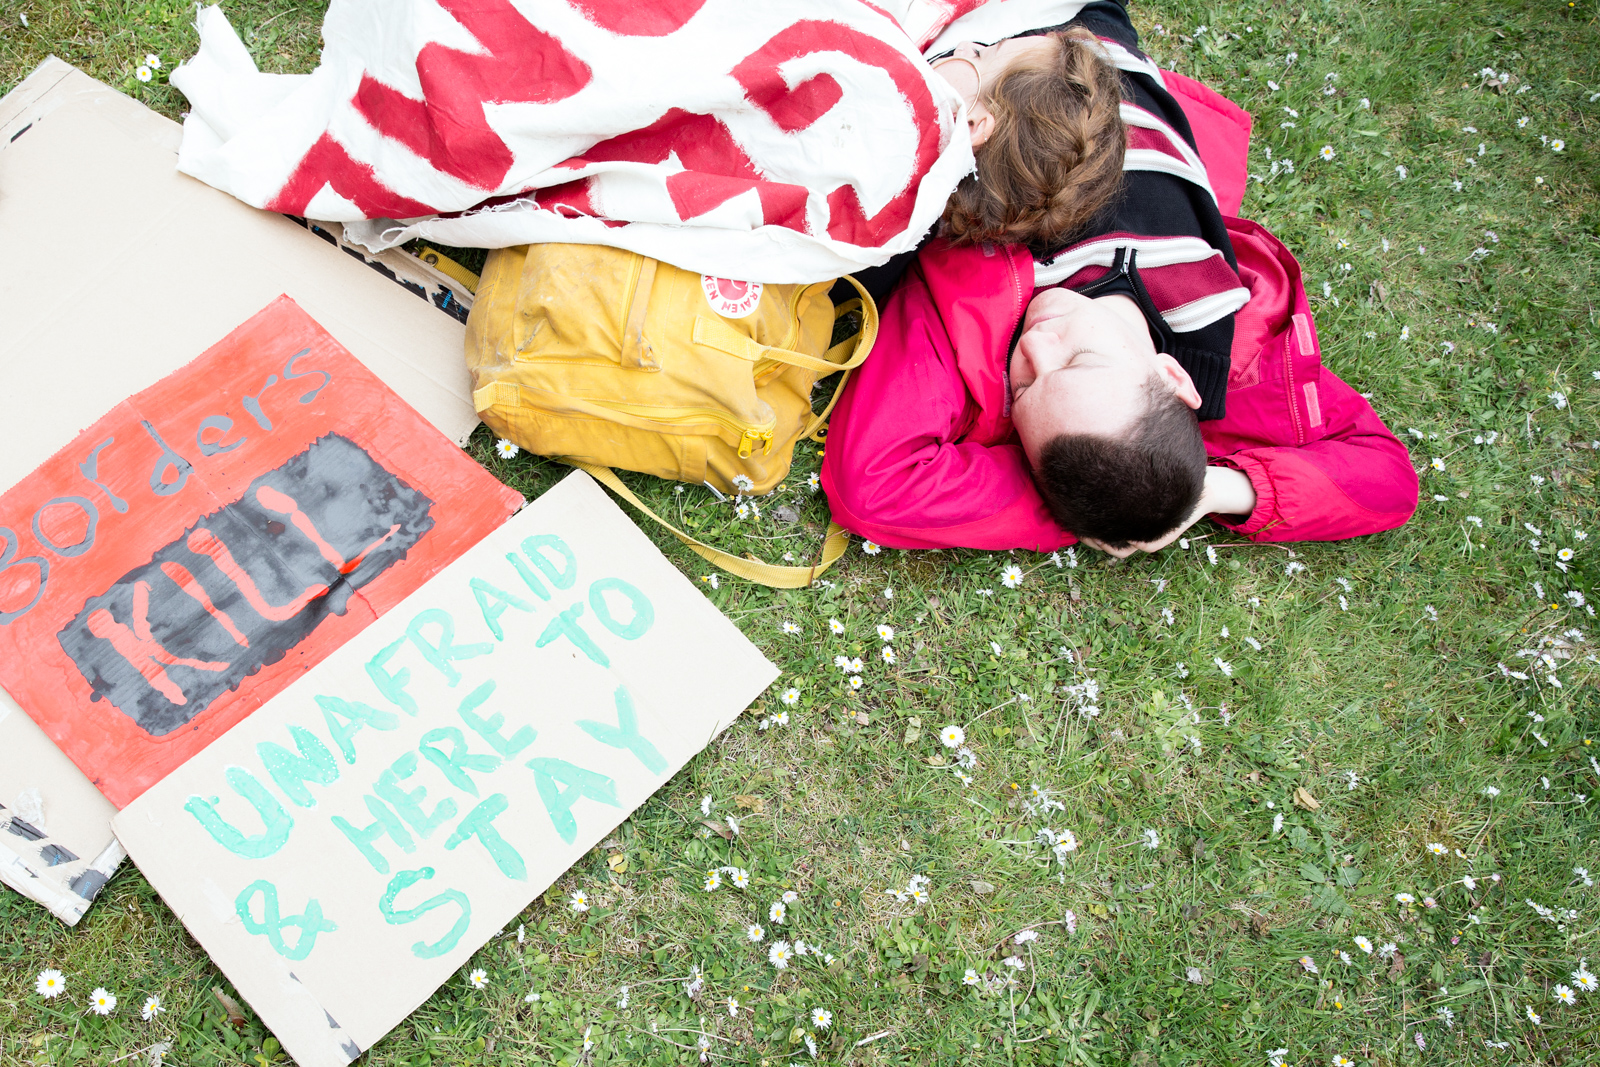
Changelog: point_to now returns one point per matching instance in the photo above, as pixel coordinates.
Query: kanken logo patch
(729, 298)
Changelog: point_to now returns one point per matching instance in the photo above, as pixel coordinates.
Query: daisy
(856, 681)
(478, 979)
(1400, 172)
(1565, 995)
(871, 548)
(1437, 849)
(152, 1008)
(733, 1007)
(1586, 982)
(533, 997)
(1533, 1016)
(1437, 464)
(152, 61)
(743, 483)
(970, 978)
(144, 74)
(1327, 152)
(790, 897)
(506, 449)
(1223, 665)
(952, 736)
(50, 984)
(579, 901)
(712, 580)
(791, 696)
(1343, 1061)
(1405, 335)
(779, 954)
(790, 628)
(885, 633)
(102, 1002)
(738, 876)
(1309, 964)
(1211, 555)
(836, 626)
(778, 912)
(814, 481)
(888, 654)
(1014, 962)
(1564, 554)
(713, 881)
(754, 932)
(821, 1018)
(1011, 577)
(1557, 145)
(1364, 945)
(1405, 899)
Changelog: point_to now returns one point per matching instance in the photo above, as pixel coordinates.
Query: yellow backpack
(605, 358)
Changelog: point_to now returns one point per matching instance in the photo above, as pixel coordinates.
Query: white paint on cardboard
(610, 670)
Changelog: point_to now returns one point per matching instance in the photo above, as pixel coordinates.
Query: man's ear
(1178, 379)
(980, 124)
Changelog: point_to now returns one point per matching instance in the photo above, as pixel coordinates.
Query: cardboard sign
(344, 850)
(214, 537)
(78, 160)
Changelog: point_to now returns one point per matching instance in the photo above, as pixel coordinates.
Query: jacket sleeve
(1356, 479)
(895, 468)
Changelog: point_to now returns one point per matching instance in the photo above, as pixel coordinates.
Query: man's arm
(1356, 479)
(896, 469)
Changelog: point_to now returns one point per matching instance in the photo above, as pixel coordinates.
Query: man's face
(1081, 367)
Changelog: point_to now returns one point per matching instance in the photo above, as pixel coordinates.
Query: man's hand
(1226, 492)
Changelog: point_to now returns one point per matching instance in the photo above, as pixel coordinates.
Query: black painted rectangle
(245, 584)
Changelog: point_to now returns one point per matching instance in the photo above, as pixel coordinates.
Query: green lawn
(1228, 825)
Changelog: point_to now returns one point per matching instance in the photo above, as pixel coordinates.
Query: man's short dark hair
(1135, 487)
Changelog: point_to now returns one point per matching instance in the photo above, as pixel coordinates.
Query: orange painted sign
(214, 537)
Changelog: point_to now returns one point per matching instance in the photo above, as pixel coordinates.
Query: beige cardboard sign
(121, 271)
(342, 851)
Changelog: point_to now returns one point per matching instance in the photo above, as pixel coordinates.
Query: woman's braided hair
(1053, 161)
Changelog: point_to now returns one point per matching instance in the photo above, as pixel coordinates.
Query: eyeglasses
(961, 81)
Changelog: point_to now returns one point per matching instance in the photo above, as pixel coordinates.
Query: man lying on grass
(1160, 367)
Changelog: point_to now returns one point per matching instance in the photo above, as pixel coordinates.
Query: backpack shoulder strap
(778, 577)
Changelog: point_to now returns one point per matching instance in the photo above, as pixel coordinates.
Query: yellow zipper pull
(766, 443)
(747, 443)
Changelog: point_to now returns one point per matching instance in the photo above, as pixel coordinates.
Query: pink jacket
(921, 452)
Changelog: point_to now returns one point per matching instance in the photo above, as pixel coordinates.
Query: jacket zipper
(1294, 408)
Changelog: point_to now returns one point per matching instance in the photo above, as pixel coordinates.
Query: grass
(1385, 712)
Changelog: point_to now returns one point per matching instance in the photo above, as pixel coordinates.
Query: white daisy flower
(50, 984)
(1437, 849)
(1309, 964)
(102, 1002)
(754, 932)
(1405, 899)
(821, 1018)
(790, 627)
(871, 548)
(713, 881)
(778, 912)
(1327, 152)
(952, 736)
(970, 978)
(578, 901)
(733, 1007)
(836, 626)
(144, 74)
(506, 449)
(791, 696)
(152, 61)
(1364, 944)
(856, 681)
(1436, 463)
(888, 654)
(1011, 577)
(743, 483)
(1565, 995)
(152, 1008)
(779, 954)
(1014, 962)
(885, 633)
(478, 979)
(1152, 840)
